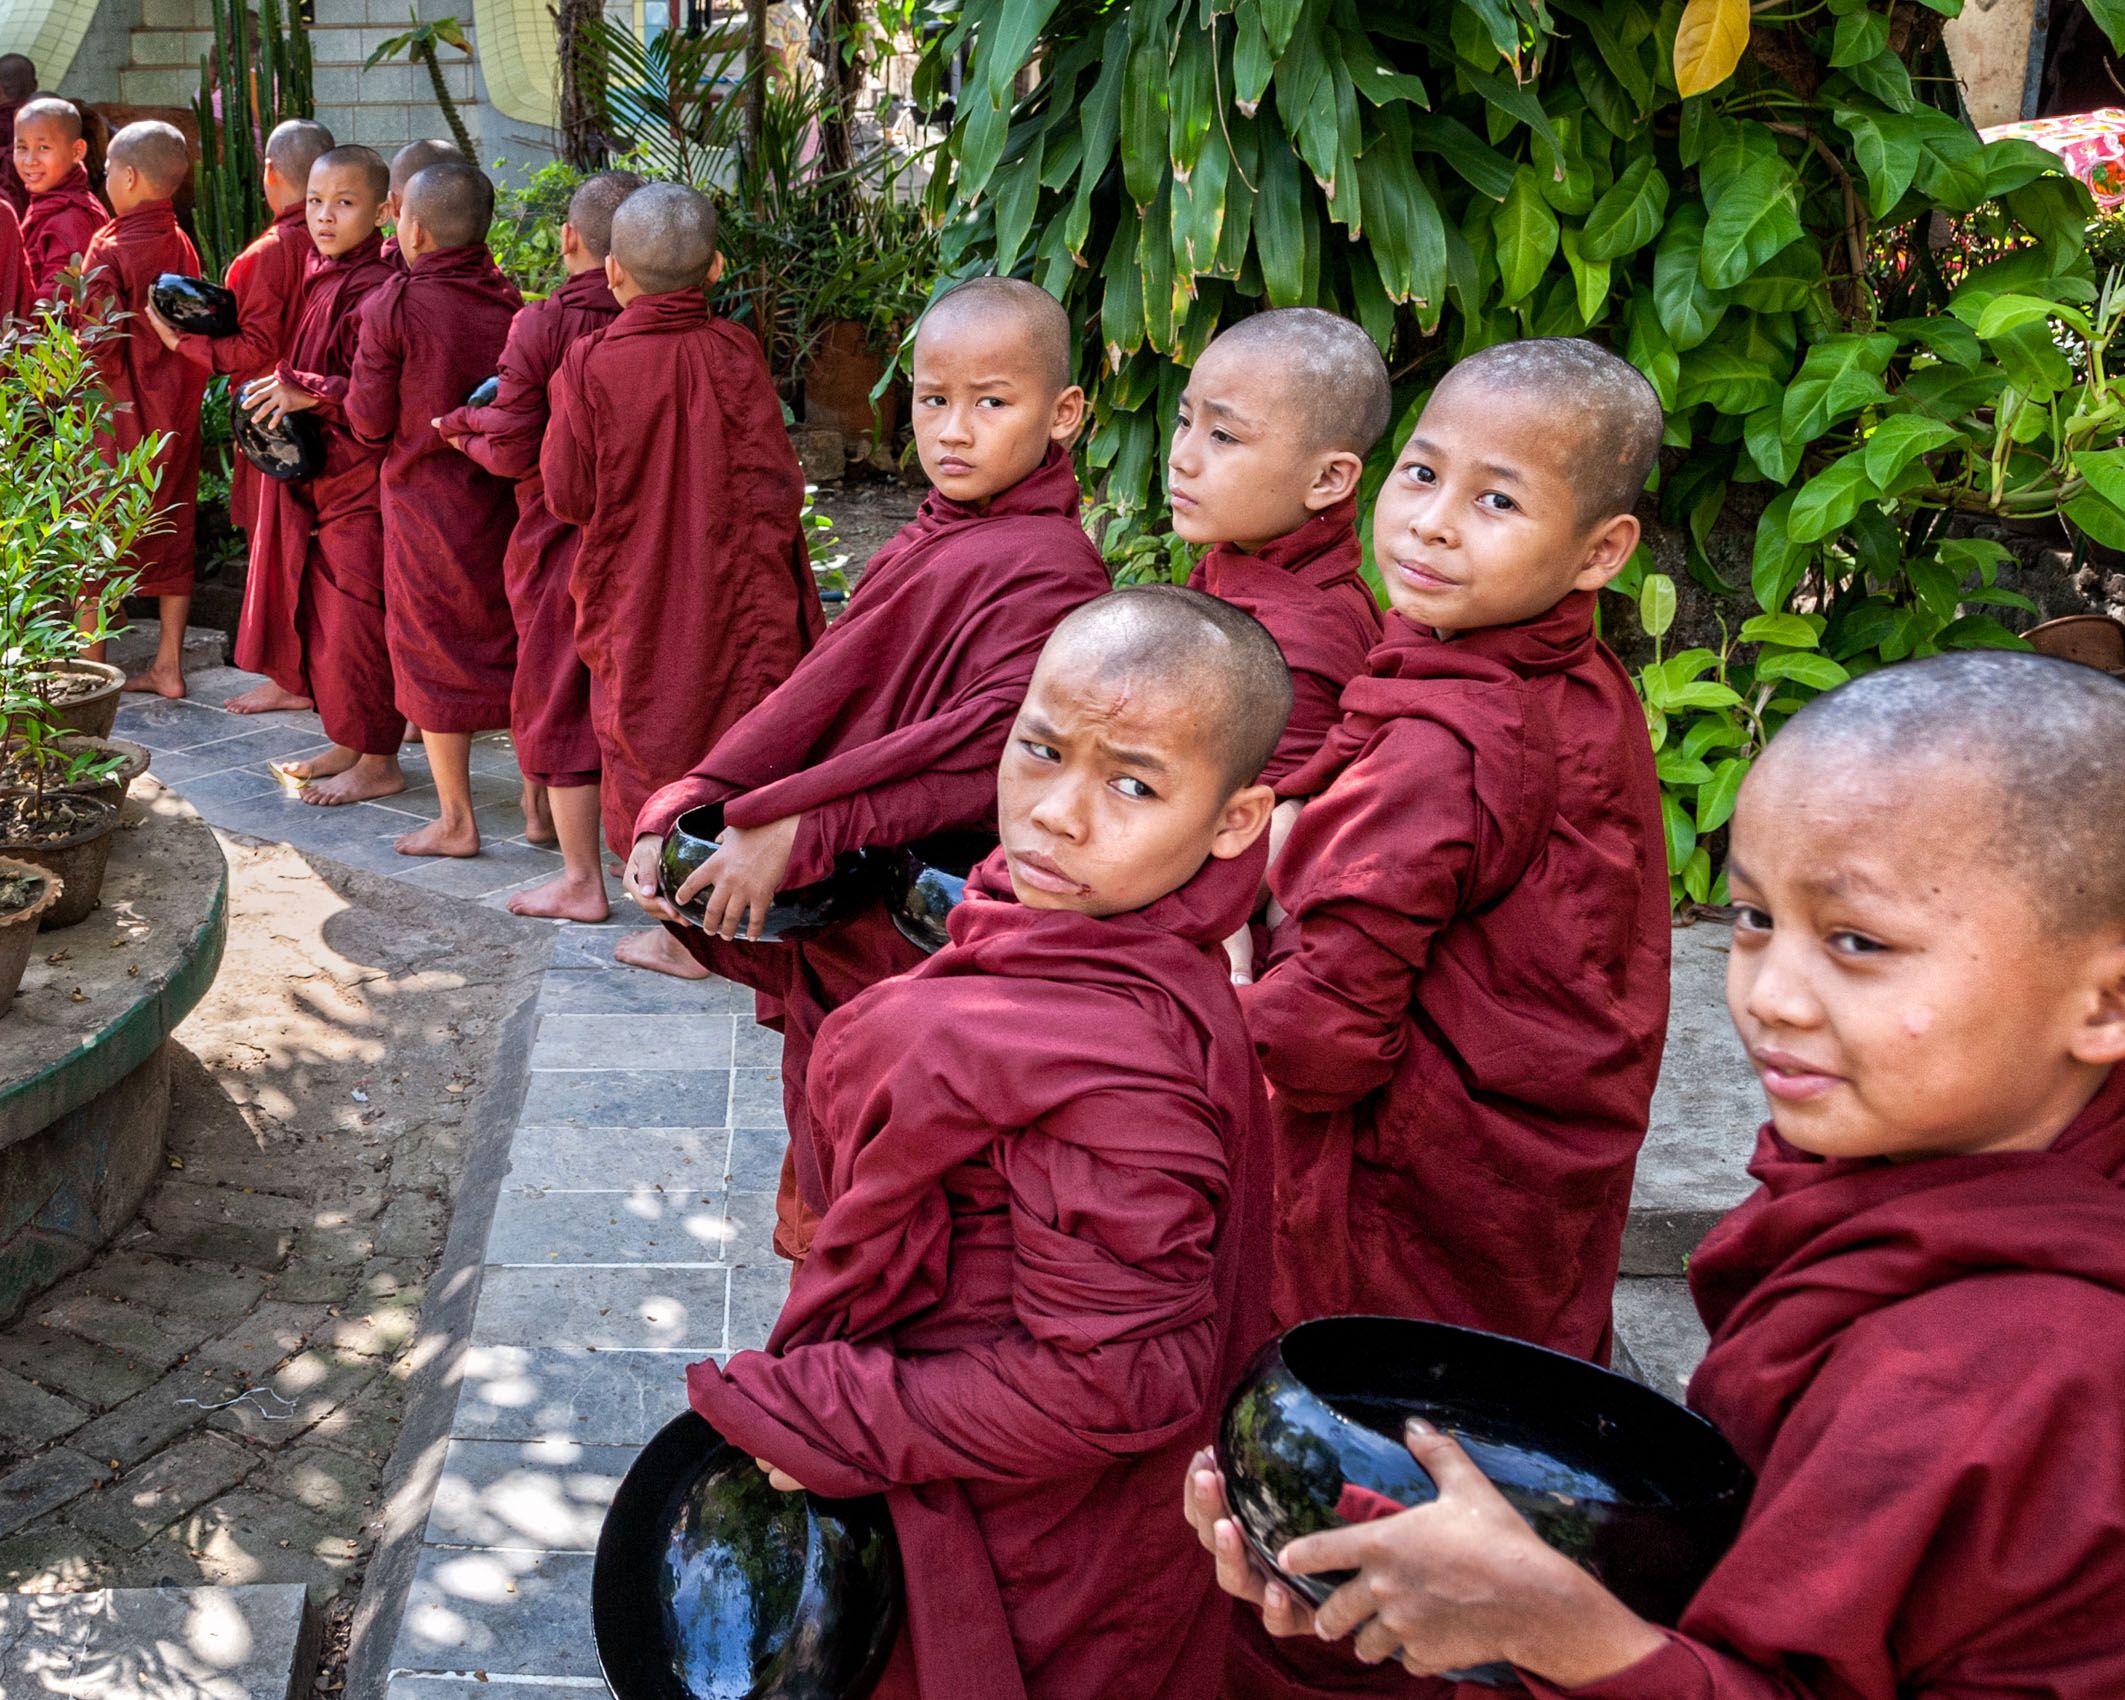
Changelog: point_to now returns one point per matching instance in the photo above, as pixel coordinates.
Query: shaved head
(156, 150)
(18, 78)
(354, 157)
(664, 236)
(2044, 736)
(294, 147)
(1334, 370)
(416, 157)
(1610, 412)
(591, 208)
(1022, 315)
(453, 202)
(1207, 649)
(50, 109)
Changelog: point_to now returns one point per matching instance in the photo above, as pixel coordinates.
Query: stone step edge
(254, 1641)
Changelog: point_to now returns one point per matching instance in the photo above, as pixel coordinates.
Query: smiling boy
(1463, 1023)
(1040, 1265)
(890, 730)
(51, 159)
(1918, 1319)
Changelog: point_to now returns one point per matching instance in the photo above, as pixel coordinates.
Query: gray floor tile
(658, 1041)
(756, 1296)
(754, 1046)
(756, 1097)
(465, 1685)
(629, 1098)
(232, 785)
(646, 1225)
(570, 1393)
(591, 947)
(497, 865)
(582, 991)
(248, 745)
(611, 1309)
(604, 1159)
(752, 1225)
(756, 1158)
(539, 1496)
(507, 1613)
(161, 724)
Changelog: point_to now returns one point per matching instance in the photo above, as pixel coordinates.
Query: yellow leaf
(1709, 43)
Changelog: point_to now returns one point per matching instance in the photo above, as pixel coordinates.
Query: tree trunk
(841, 77)
(582, 95)
(755, 73)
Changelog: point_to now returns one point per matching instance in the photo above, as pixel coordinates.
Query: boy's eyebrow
(1493, 469)
(1134, 758)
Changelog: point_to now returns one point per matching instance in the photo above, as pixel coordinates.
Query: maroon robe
(1306, 587)
(693, 590)
(549, 704)
(1040, 1273)
(13, 190)
(58, 227)
(428, 337)
(1924, 1363)
(317, 552)
(1469, 1002)
(267, 278)
(151, 388)
(18, 294)
(888, 731)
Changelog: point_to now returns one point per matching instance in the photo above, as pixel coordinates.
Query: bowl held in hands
(925, 881)
(293, 449)
(797, 913)
(1643, 1493)
(193, 305)
(710, 1584)
(484, 392)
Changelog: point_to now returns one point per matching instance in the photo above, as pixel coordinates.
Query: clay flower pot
(2093, 640)
(838, 376)
(112, 788)
(91, 707)
(73, 844)
(18, 925)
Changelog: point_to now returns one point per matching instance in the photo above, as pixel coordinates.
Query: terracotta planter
(93, 715)
(112, 789)
(18, 927)
(2094, 640)
(838, 375)
(78, 859)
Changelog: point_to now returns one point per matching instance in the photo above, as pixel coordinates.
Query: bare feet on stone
(563, 899)
(538, 820)
(660, 953)
(369, 778)
(265, 698)
(445, 837)
(163, 681)
(335, 760)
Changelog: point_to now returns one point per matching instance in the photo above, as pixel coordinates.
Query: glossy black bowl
(711, 1585)
(1642, 1492)
(293, 449)
(193, 305)
(797, 913)
(925, 881)
(484, 392)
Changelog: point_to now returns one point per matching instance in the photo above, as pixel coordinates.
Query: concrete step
(159, 85)
(154, 49)
(246, 1643)
(1659, 1339)
(177, 14)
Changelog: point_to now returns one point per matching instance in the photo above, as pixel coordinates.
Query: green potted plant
(877, 262)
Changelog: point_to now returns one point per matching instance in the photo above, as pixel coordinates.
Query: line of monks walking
(1323, 966)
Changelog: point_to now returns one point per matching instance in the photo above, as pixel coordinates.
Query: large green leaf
(2104, 472)
(1886, 144)
(1758, 215)
(1900, 439)
(1144, 120)
(1951, 164)
(1479, 164)
(1780, 561)
(1688, 310)
(1839, 376)
(1826, 503)
(1279, 225)
(1731, 382)
(1527, 237)
(1628, 216)
(1590, 277)
(1860, 35)
(1885, 78)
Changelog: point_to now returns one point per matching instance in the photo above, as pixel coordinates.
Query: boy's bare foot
(563, 899)
(163, 681)
(538, 818)
(265, 698)
(660, 953)
(441, 838)
(335, 760)
(369, 778)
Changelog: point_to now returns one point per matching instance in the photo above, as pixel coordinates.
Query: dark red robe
(428, 337)
(1040, 1273)
(58, 227)
(317, 552)
(12, 189)
(549, 705)
(267, 278)
(1924, 1363)
(693, 589)
(151, 388)
(1308, 590)
(18, 294)
(1469, 1002)
(888, 731)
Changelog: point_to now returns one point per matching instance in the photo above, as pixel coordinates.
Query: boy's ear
(2100, 1040)
(81, 149)
(1069, 416)
(1613, 543)
(1335, 479)
(615, 273)
(571, 243)
(715, 270)
(1242, 820)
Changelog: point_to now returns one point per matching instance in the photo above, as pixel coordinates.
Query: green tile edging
(31, 1104)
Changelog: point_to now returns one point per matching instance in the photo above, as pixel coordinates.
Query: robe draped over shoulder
(18, 291)
(58, 226)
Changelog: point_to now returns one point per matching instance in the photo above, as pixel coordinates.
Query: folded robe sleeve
(567, 459)
(506, 434)
(329, 389)
(370, 397)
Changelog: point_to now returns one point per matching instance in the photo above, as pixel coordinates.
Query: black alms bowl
(925, 881)
(1642, 1492)
(710, 1584)
(795, 914)
(293, 449)
(484, 392)
(193, 305)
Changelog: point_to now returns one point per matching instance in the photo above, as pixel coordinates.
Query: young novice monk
(427, 338)
(152, 390)
(406, 164)
(694, 595)
(63, 212)
(1275, 424)
(1470, 997)
(317, 553)
(18, 82)
(267, 280)
(1041, 1264)
(891, 728)
(1918, 1319)
(549, 703)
